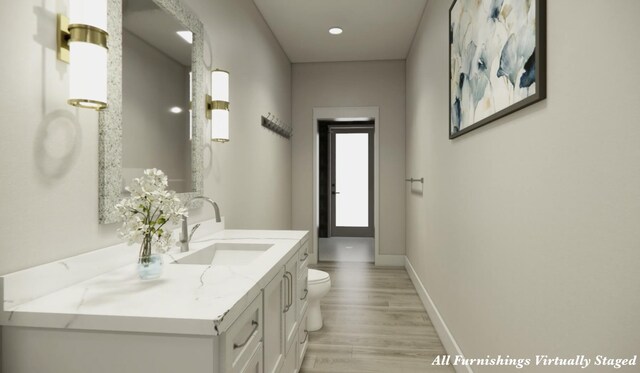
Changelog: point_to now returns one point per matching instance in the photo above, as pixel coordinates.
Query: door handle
(289, 277)
(286, 307)
(253, 331)
(290, 290)
(335, 192)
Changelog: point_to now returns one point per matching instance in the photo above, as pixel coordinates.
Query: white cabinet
(237, 350)
(290, 308)
(303, 303)
(267, 335)
(285, 305)
(303, 291)
(274, 296)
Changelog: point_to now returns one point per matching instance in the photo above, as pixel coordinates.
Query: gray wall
(527, 233)
(48, 167)
(250, 176)
(345, 84)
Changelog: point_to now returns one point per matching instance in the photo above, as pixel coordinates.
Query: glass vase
(150, 265)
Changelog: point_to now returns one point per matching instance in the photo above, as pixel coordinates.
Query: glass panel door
(352, 182)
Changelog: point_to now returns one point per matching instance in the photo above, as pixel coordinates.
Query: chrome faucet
(185, 237)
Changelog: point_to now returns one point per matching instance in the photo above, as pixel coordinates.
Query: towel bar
(415, 180)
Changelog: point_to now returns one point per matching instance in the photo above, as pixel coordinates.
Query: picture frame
(497, 60)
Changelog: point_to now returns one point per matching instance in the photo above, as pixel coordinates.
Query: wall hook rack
(275, 124)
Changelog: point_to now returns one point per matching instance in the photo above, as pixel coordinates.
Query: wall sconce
(218, 106)
(82, 42)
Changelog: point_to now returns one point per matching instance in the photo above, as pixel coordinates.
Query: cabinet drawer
(303, 293)
(303, 255)
(254, 365)
(291, 359)
(242, 338)
(303, 340)
(302, 271)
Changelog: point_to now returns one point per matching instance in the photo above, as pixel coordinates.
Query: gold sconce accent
(79, 33)
(215, 105)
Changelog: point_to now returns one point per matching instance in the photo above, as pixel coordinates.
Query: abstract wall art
(496, 60)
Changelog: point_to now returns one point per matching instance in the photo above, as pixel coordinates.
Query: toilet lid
(317, 276)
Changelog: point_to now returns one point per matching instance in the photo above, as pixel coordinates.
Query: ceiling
(373, 29)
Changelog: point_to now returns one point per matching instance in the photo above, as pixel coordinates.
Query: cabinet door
(291, 306)
(274, 340)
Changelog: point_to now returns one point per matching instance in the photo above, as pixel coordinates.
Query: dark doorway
(346, 184)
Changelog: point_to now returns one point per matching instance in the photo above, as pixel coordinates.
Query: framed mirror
(156, 100)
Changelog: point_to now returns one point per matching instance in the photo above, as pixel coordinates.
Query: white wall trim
(445, 335)
(346, 112)
(390, 260)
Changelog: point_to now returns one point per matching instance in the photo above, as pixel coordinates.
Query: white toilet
(318, 284)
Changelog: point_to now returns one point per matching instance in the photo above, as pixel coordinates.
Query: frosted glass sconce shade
(218, 106)
(220, 125)
(88, 75)
(82, 42)
(220, 85)
(88, 12)
(91, 13)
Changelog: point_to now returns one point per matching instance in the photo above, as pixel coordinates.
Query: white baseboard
(445, 335)
(390, 260)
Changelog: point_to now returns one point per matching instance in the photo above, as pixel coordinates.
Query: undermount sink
(224, 253)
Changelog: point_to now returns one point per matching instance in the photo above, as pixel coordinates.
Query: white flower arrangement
(146, 211)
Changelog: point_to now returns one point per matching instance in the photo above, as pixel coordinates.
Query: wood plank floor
(346, 249)
(373, 322)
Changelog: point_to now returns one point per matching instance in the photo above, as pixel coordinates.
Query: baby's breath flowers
(146, 211)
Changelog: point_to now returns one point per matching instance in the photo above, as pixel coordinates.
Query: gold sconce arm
(79, 33)
(63, 36)
(215, 105)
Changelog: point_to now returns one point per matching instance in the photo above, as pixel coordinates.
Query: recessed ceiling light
(176, 110)
(335, 31)
(186, 35)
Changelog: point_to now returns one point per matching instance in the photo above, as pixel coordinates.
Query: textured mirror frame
(110, 120)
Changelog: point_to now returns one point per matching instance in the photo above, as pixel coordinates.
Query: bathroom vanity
(236, 302)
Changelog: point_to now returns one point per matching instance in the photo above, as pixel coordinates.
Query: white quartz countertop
(187, 299)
